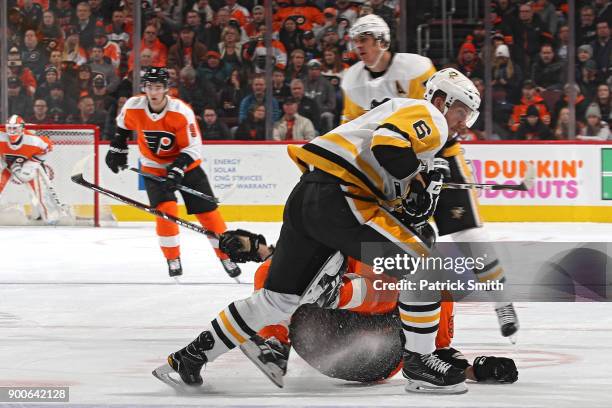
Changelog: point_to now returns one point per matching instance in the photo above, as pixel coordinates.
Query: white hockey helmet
(373, 25)
(15, 126)
(457, 87)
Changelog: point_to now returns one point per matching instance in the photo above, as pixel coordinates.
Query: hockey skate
(174, 267)
(426, 373)
(269, 355)
(508, 321)
(231, 268)
(187, 363)
(324, 289)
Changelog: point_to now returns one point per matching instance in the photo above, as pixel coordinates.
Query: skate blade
(423, 387)
(513, 338)
(274, 373)
(162, 373)
(237, 280)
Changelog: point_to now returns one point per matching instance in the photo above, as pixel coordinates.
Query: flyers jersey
(405, 78)
(162, 136)
(32, 147)
(346, 152)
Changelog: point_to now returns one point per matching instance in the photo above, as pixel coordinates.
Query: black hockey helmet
(154, 74)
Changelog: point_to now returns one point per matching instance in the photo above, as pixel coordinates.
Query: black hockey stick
(525, 184)
(78, 178)
(179, 186)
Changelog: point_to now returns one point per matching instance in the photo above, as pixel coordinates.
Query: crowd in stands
(71, 61)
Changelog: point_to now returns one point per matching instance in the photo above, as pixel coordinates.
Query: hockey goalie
(22, 157)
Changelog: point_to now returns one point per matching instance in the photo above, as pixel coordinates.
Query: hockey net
(75, 150)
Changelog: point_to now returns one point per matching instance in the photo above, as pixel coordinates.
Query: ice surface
(93, 309)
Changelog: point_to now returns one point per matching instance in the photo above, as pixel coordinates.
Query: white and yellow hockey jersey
(405, 78)
(347, 151)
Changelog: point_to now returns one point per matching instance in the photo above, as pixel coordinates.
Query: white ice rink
(93, 309)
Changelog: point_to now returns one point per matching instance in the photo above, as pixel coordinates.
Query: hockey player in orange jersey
(22, 155)
(170, 145)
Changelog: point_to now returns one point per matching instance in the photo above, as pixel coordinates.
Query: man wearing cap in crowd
(19, 103)
(532, 127)
(111, 50)
(293, 126)
(16, 68)
(187, 50)
(100, 93)
(50, 76)
(588, 79)
(255, 51)
(319, 89)
(215, 70)
(310, 47)
(99, 64)
(57, 99)
(530, 97)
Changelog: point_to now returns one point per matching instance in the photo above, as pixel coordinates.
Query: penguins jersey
(32, 147)
(405, 78)
(162, 136)
(400, 128)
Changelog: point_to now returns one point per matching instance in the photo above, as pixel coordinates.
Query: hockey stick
(527, 183)
(78, 178)
(179, 186)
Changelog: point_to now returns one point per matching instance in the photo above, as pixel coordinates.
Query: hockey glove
(176, 172)
(421, 201)
(241, 246)
(116, 158)
(499, 369)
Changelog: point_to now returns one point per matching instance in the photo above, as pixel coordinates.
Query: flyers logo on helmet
(159, 142)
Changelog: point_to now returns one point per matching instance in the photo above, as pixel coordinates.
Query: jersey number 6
(422, 129)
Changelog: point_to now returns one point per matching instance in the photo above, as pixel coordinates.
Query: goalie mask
(15, 128)
(457, 87)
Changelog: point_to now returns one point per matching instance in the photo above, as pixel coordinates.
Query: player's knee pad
(26, 171)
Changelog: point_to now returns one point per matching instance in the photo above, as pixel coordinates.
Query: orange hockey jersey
(32, 147)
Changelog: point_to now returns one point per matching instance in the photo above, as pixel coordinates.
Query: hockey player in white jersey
(381, 75)
(22, 156)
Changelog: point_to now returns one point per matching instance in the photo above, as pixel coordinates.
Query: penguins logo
(159, 142)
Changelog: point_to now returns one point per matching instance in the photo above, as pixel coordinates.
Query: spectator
(100, 94)
(330, 23)
(110, 125)
(595, 129)
(502, 111)
(548, 14)
(280, 89)
(310, 47)
(297, 66)
(50, 32)
(580, 106)
(319, 89)
(603, 100)
(202, 7)
(212, 128)
(194, 20)
(306, 106)
(87, 114)
(110, 50)
(196, 93)
(548, 72)
(257, 97)
(231, 96)
(187, 52)
(84, 82)
(333, 65)
(387, 13)
(562, 128)
(307, 15)
(173, 82)
(530, 33)
(151, 41)
(16, 26)
(32, 13)
(16, 69)
(58, 99)
(33, 55)
(508, 12)
(72, 48)
(331, 39)
(41, 110)
(532, 128)
(19, 102)
(563, 37)
(230, 47)
(213, 31)
(603, 9)
(602, 48)
(530, 97)
(255, 52)
(586, 32)
(506, 73)
(101, 11)
(254, 126)
(588, 80)
(85, 24)
(468, 61)
(585, 53)
(347, 11)
(102, 65)
(258, 18)
(238, 12)
(119, 31)
(290, 35)
(215, 70)
(50, 77)
(55, 60)
(293, 126)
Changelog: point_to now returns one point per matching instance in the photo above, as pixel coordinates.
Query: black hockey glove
(116, 158)
(499, 369)
(241, 246)
(176, 172)
(421, 201)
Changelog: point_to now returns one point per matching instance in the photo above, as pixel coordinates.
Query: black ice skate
(174, 267)
(508, 321)
(269, 355)
(231, 268)
(324, 289)
(187, 363)
(426, 373)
